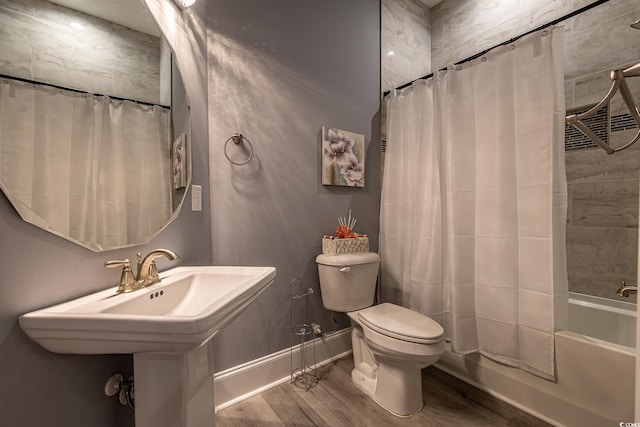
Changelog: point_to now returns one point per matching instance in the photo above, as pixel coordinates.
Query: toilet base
(368, 386)
(393, 380)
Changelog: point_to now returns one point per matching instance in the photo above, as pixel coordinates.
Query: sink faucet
(147, 270)
(625, 290)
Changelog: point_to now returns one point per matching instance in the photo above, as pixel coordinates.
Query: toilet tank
(348, 281)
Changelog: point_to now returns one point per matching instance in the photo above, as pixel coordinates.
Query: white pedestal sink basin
(168, 327)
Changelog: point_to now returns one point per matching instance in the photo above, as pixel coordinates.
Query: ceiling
(133, 13)
(129, 13)
(431, 3)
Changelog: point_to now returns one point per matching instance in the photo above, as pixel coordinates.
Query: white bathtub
(608, 320)
(595, 369)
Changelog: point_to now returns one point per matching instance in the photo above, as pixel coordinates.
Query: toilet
(391, 344)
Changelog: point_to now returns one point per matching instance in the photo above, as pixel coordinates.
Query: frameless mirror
(94, 120)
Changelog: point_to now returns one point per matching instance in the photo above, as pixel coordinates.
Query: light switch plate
(196, 198)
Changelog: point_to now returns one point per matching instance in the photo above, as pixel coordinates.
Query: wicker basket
(345, 246)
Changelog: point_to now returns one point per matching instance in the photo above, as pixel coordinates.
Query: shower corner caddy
(302, 375)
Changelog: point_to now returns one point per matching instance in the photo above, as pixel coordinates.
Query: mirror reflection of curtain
(88, 167)
(474, 202)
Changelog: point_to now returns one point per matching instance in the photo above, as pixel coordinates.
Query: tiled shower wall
(37, 43)
(602, 220)
(406, 41)
(602, 223)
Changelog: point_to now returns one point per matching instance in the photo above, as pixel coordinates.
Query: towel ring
(237, 138)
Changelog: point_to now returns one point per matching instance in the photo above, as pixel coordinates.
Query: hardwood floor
(336, 402)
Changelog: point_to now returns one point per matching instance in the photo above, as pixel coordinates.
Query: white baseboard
(244, 381)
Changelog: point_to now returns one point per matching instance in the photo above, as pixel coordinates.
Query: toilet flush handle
(345, 269)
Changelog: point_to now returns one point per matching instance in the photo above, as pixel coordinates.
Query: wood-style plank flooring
(336, 402)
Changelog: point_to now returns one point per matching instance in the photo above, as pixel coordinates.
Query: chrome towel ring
(238, 138)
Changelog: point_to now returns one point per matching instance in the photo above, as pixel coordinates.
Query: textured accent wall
(602, 221)
(405, 43)
(38, 43)
(461, 28)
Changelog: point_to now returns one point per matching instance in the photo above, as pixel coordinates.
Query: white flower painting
(178, 156)
(342, 158)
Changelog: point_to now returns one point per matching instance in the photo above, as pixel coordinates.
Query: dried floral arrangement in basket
(346, 240)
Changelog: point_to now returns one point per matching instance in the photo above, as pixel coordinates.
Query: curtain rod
(35, 82)
(477, 55)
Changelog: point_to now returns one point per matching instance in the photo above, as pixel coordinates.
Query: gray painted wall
(38, 269)
(278, 72)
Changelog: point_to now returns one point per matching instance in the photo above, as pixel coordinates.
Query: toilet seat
(401, 323)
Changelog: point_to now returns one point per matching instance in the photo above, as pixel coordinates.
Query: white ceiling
(129, 13)
(431, 3)
(133, 13)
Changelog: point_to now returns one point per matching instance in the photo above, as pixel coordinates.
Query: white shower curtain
(474, 202)
(89, 168)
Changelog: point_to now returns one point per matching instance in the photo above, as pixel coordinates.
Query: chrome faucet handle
(127, 281)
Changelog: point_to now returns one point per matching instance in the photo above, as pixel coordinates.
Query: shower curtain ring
(238, 138)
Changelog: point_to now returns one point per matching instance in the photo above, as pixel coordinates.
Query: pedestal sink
(169, 329)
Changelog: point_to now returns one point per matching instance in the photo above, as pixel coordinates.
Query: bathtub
(595, 365)
(608, 320)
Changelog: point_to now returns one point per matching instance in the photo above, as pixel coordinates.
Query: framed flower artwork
(342, 157)
(179, 162)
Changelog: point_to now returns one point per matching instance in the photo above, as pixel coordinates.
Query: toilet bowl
(391, 344)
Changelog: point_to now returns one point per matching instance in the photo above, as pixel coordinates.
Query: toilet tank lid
(342, 260)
